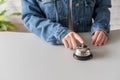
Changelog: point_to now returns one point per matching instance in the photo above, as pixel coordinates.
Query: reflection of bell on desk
(82, 53)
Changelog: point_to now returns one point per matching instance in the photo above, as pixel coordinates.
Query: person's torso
(58, 11)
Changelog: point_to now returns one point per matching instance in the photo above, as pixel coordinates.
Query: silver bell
(82, 53)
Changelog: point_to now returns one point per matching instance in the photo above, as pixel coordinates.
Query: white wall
(15, 5)
(115, 14)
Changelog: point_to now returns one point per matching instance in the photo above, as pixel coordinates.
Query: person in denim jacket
(59, 21)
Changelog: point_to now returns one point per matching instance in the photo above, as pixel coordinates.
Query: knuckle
(66, 36)
(70, 33)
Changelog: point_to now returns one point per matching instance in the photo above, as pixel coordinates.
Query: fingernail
(96, 45)
(73, 48)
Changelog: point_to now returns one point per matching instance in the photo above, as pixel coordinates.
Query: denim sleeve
(35, 21)
(101, 16)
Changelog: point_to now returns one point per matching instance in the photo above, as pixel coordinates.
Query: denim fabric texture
(48, 19)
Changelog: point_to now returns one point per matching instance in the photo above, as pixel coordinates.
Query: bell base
(83, 58)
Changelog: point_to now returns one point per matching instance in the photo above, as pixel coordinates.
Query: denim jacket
(49, 19)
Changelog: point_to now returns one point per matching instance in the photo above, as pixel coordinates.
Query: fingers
(78, 38)
(70, 40)
(99, 38)
(94, 37)
(65, 43)
(101, 42)
(70, 45)
(73, 41)
(106, 39)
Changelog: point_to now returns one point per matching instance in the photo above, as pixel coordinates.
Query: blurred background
(15, 5)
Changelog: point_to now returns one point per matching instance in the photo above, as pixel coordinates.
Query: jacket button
(77, 4)
(78, 23)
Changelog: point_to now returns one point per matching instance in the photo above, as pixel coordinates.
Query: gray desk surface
(23, 56)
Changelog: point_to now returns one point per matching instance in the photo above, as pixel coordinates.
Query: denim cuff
(60, 33)
(98, 26)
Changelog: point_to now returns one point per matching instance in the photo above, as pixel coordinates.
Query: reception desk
(24, 56)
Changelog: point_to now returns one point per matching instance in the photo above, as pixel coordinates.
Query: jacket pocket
(48, 8)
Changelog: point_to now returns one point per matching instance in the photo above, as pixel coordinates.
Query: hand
(99, 38)
(70, 40)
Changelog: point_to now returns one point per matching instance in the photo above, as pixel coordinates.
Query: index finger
(77, 37)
